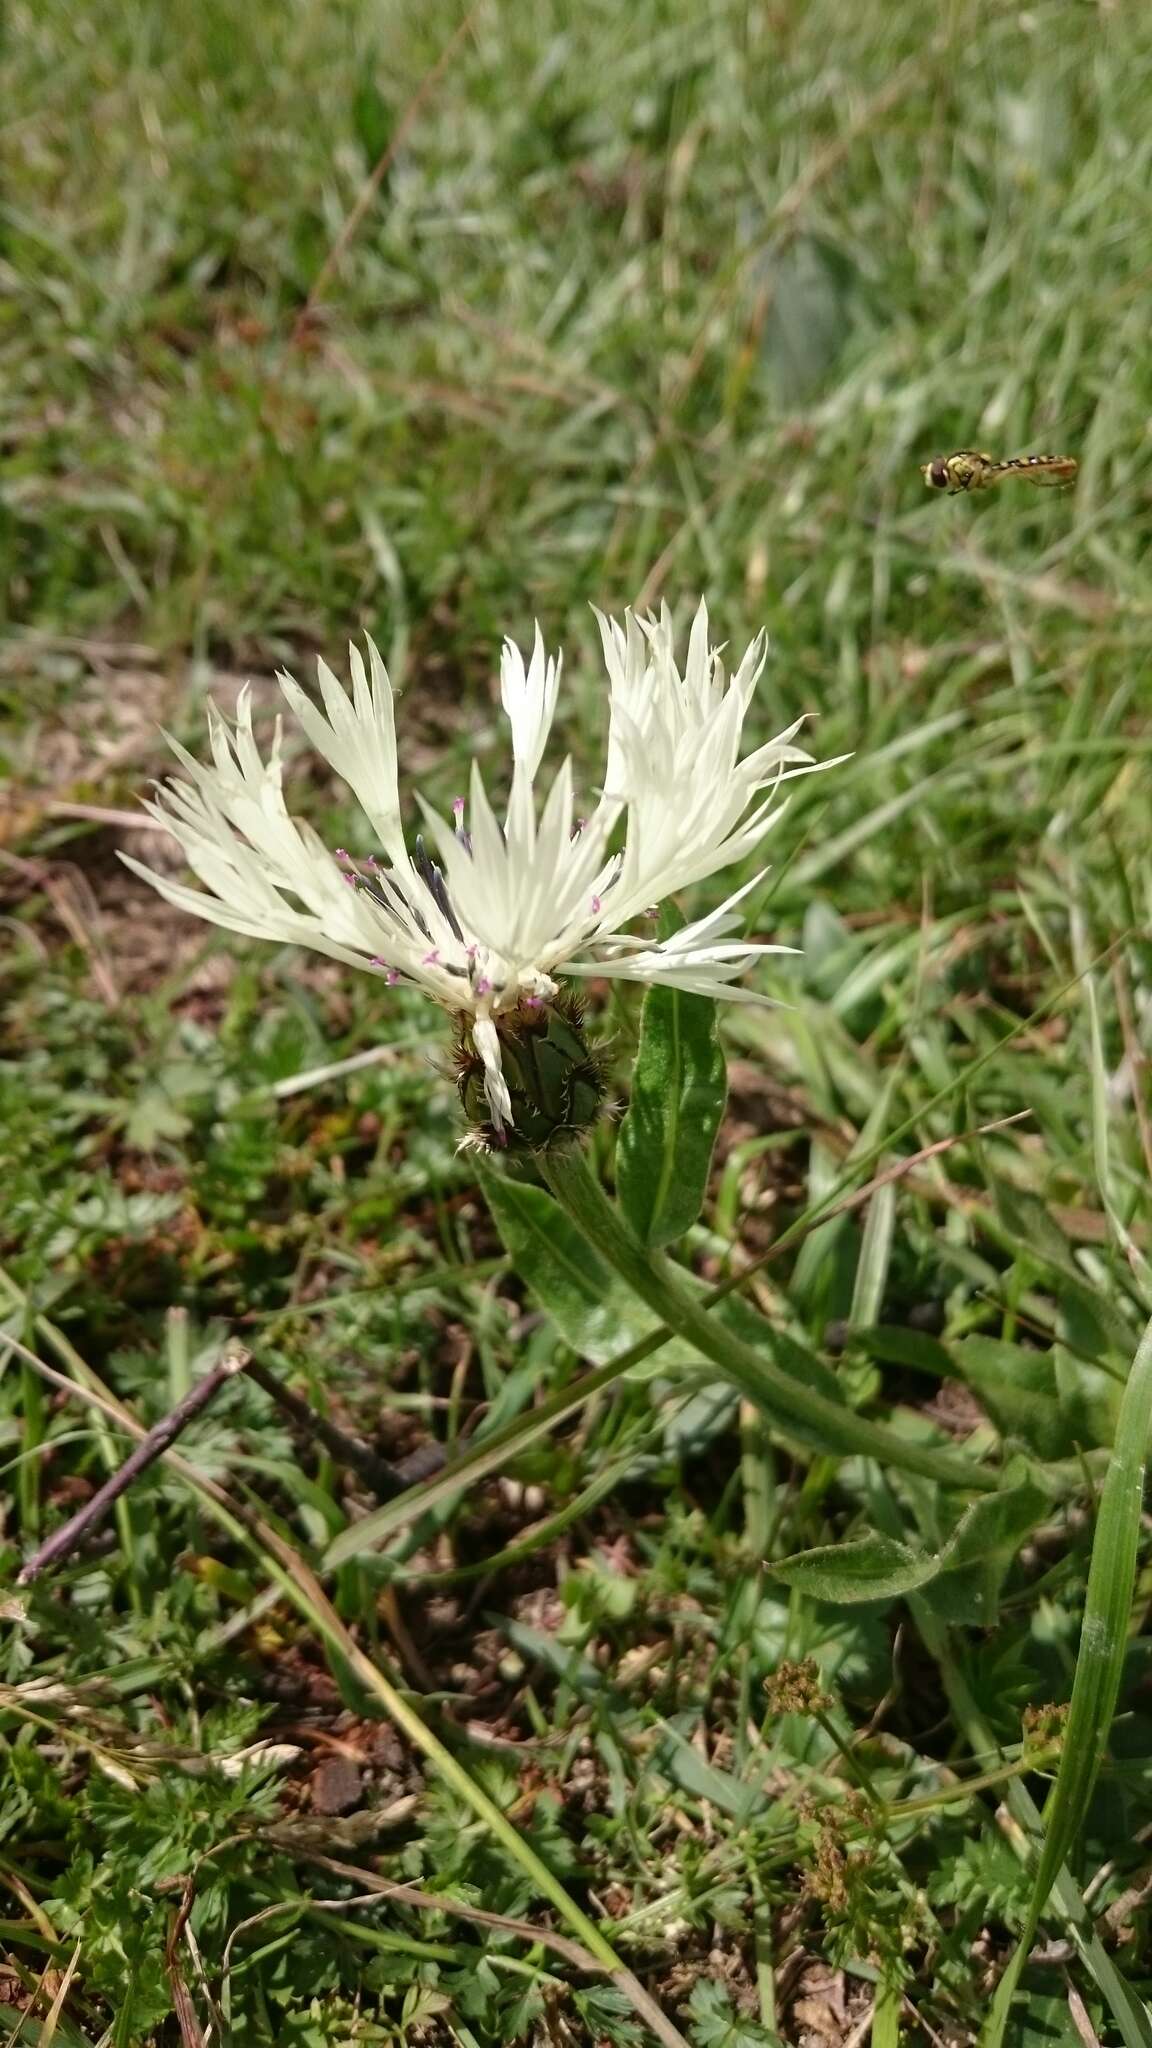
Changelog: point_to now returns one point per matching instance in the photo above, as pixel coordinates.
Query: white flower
(487, 917)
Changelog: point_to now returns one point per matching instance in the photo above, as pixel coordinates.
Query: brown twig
(151, 1446)
(385, 1480)
(377, 175)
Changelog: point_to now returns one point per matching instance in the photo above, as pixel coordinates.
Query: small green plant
(688, 308)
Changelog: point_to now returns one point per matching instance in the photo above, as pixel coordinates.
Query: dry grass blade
(572, 1951)
(191, 2032)
(51, 2021)
(71, 898)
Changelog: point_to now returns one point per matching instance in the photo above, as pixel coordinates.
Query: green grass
(652, 301)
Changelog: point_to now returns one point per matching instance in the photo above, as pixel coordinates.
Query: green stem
(1025, 1826)
(1099, 1669)
(859, 1771)
(1026, 1766)
(790, 1405)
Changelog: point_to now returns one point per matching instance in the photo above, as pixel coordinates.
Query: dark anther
(427, 869)
(386, 891)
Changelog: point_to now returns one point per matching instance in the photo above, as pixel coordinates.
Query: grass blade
(1103, 1641)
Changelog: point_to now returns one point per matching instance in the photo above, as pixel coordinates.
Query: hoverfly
(968, 470)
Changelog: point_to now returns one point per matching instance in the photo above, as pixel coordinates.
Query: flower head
(486, 915)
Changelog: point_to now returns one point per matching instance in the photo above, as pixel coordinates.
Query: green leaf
(877, 1567)
(977, 1556)
(717, 2024)
(886, 2012)
(565, 1274)
(153, 1117)
(564, 1660)
(875, 1258)
(1094, 1314)
(995, 1524)
(372, 121)
(696, 1422)
(679, 1087)
(594, 1311)
(1050, 1401)
(889, 1344)
(783, 1347)
(795, 1407)
(683, 1763)
(1044, 2021)
(599, 1315)
(872, 1568)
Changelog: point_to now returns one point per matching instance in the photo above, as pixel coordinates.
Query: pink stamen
(342, 853)
(392, 977)
(431, 959)
(483, 987)
(533, 1002)
(457, 807)
(350, 879)
(596, 905)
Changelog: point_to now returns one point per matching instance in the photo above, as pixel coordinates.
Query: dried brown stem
(151, 1446)
(385, 1480)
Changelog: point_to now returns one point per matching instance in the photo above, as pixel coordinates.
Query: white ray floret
(489, 916)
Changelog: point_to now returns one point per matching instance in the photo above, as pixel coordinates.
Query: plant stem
(1023, 1826)
(859, 1771)
(792, 1406)
(1099, 1669)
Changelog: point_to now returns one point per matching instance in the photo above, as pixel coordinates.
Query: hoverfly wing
(1057, 473)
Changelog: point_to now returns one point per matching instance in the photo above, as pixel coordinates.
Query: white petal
(529, 698)
(358, 737)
